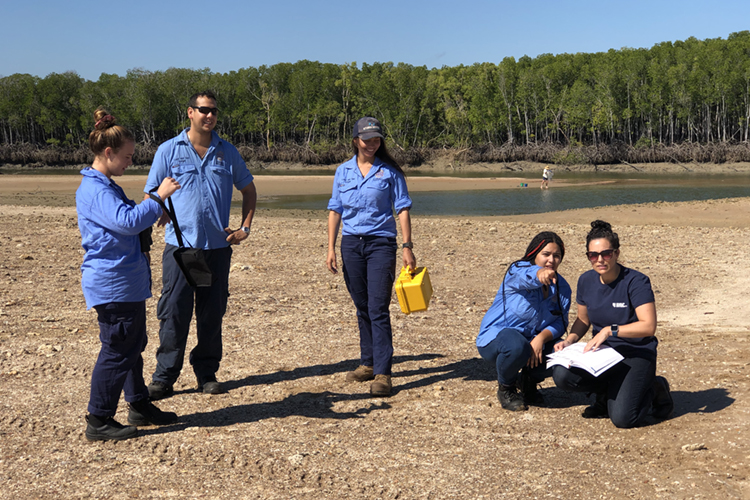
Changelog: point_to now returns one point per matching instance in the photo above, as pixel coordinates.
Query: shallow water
(621, 188)
(529, 200)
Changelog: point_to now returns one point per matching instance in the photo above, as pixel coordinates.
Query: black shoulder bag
(192, 261)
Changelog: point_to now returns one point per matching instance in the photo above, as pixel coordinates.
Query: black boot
(144, 412)
(529, 390)
(510, 399)
(662, 403)
(598, 409)
(107, 429)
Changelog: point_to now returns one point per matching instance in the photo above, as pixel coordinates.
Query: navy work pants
(119, 367)
(369, 264)
(175, 311)
(509, 352)
(628, 386)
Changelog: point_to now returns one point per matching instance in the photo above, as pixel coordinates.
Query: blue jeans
(628, 386)
(175, 310)
(119, 367)
(509, 352)
(369, 265)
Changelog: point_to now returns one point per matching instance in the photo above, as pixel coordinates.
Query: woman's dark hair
(601, 229)
(540, 241)
(537, 244)
(107, 134)
(383, 154)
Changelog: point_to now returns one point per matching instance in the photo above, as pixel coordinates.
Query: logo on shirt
(379, 174)
(619, 305)
(220, 157)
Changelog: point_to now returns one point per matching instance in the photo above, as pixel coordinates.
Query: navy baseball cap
(367, 128)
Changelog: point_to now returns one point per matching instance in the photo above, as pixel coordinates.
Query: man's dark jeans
(175, 310)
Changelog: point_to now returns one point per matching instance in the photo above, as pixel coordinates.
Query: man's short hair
(194, 98)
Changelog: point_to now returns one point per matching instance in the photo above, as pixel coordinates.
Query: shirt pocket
(185, 174)
(377, 194)
(348, 193)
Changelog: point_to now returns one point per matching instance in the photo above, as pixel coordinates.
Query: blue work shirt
(366, 204)
(114, 269)
(204, 199)
(521, 306)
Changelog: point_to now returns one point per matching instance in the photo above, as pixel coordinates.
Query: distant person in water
(546, 176)
(116, 281)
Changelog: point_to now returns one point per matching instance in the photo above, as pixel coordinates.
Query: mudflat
(291, 427)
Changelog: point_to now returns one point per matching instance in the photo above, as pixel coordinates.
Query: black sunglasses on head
(206, 110)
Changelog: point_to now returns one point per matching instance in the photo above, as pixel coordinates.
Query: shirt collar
(215, 139)
(100, 177)
(95, 174)
(376, 165)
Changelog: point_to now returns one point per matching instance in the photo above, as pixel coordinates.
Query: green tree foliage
(675, 92)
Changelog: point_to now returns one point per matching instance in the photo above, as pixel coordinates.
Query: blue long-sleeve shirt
(521, 306)
(366, 204)
(114, 269)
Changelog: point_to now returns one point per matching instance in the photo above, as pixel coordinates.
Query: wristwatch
(246, 229)
(409, 245)
(615, 329)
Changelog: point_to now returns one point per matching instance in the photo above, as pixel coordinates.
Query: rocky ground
(290, 427)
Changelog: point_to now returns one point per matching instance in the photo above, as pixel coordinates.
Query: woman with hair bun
(619, 303)
(116, 281)
(529, 313)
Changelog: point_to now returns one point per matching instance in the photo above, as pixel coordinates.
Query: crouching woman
(529, 314)
(619, 303)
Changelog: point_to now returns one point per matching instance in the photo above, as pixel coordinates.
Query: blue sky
(44, 36)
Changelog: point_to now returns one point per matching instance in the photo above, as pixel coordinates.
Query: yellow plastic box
(414, 290)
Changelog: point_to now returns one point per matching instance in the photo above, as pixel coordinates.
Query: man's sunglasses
(206, 110)
(606, 255)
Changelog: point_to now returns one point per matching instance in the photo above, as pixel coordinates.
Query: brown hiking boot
(361, 374)
(381, 386)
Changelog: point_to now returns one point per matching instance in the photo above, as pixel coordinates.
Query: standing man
(207, 167)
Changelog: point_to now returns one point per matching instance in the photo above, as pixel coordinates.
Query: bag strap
(172, 215)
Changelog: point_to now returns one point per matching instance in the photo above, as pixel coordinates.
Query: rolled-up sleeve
(400, 193)
(335, 202)
(241, 176)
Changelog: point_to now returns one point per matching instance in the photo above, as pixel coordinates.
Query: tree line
(631, 100)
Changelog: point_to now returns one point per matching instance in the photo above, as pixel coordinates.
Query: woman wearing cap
(366, 189)
(619, 303)
(116, 281)
(529, 313)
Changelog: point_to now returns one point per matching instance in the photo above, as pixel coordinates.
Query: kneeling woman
(529, 313)
(619, 303)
